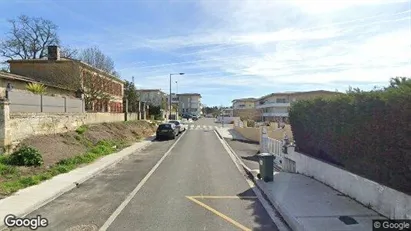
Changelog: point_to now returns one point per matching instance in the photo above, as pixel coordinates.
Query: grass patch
(82, 129)
(15, 182)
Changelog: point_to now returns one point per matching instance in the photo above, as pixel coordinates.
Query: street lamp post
(170, 92)
(178, 102)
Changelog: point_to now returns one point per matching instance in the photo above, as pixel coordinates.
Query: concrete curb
(292, 222)
(29, 199)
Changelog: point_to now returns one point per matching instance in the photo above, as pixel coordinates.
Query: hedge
(366, 133)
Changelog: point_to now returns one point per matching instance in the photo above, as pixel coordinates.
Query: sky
(240, 48)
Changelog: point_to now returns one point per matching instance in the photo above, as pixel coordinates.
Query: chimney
(53, 53)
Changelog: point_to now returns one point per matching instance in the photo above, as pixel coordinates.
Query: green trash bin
(266, 162)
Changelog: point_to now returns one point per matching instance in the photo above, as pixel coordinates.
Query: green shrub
(3, 159)
(367, 133)
(80, 130)
(8, 169)
(250, 123)
(25, 156)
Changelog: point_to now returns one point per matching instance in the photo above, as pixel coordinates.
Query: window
(164, 126)
(281, 100)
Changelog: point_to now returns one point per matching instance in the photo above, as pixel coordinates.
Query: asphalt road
(196, 187)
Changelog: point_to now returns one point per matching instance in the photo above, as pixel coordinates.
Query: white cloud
(294, 43)
(321, 6)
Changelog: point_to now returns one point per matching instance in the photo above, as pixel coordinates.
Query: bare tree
(28, 38)
(96, 90)
(96, 58)
(68, 52)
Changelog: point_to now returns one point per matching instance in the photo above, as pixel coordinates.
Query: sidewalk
(305, 203)
(227, 132)
(29, 199)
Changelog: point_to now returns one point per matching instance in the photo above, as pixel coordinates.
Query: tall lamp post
(177, 108)
(170, 91)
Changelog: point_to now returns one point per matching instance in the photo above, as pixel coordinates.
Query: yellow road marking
(224, 197)
(240, 226)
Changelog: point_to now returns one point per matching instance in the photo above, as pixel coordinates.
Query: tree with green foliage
(36, 88)
(131, 94)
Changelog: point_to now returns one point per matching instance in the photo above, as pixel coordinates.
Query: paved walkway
(228, 132)
(305, 203)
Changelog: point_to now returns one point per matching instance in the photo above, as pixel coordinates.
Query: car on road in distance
(195, 117)
(187, 116)
(181, 127)
(167, 130)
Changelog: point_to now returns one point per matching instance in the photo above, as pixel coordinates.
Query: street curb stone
(43, 193)
(292, 221)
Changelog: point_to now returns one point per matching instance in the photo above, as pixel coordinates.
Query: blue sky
(234, 49)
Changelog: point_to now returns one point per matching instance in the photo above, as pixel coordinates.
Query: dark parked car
(168, 131)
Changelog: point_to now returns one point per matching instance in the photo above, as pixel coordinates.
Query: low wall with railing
(29, 102)
(387, 201)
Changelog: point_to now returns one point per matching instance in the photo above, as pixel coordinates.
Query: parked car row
(170, 130)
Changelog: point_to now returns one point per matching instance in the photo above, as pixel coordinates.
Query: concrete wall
(251, 113)
(387, 201)
(132, 116)
(254, 134)
(227, 120)
(29, 102)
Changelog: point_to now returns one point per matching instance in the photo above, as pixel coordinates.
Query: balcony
(269, 104)
(279, 114)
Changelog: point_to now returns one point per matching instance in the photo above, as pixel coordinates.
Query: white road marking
(130, 196)
(277, 221)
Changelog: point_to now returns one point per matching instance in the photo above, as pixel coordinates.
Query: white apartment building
(190, 103)
(275, 106)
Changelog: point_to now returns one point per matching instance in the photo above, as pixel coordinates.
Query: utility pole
(222, 118)
(178, 102)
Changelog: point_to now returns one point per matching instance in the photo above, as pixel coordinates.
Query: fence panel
(28, 102)
(24, 102)
(74, 105)
(53, 104)
(272, 146)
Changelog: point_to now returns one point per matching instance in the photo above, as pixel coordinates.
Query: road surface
(195, 187)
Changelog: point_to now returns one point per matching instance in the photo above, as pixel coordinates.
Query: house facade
(274, 107)
(190, 103)
(245, 108)
(18, 83)
(154, 97)
(102, 91)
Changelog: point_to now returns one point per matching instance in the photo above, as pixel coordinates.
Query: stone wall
(15, 127)
(23, 125)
